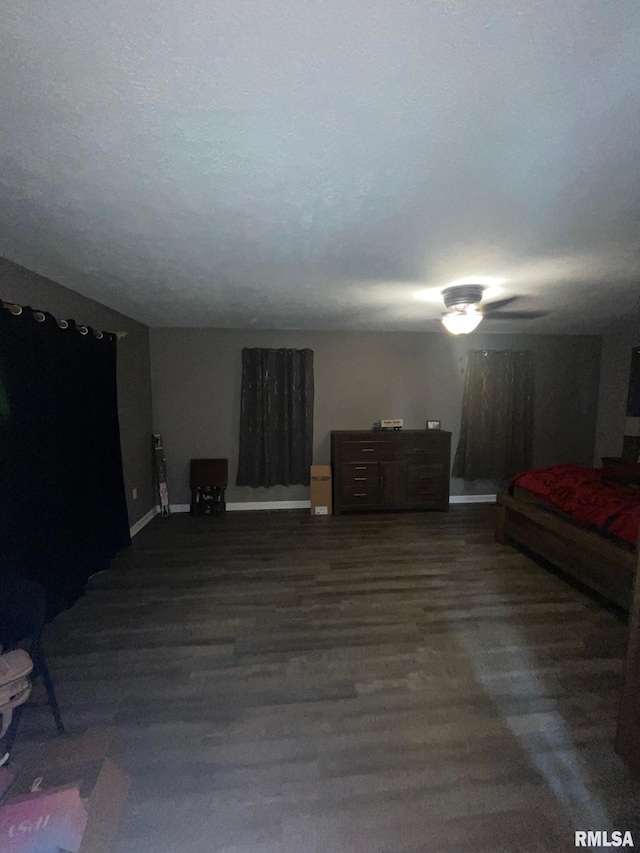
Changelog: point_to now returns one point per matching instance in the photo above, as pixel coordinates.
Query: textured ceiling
(294, 164)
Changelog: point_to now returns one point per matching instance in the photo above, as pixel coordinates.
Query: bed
(582, 520)
(585, 521)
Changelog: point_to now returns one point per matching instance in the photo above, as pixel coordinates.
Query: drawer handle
(359, 467)
(359, 494)
(368, 449)
(358, 479)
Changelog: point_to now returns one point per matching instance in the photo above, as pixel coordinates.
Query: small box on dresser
(390, 470)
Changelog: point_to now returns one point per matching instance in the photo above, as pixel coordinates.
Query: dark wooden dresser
(390, 470)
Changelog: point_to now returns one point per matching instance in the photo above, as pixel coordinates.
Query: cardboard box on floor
(321, 490)
(80, 761)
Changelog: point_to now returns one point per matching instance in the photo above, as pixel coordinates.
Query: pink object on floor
(43, 822)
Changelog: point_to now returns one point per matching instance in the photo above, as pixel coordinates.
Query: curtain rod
(39, 316)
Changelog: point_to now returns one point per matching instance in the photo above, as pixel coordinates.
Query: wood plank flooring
(360, 684)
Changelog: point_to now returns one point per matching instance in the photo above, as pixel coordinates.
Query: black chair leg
(12, 731)
(43, 670)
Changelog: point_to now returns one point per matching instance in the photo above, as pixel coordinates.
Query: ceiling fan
(463, 314)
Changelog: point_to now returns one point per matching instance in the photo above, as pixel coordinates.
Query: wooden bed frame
(599, 563)
(628, 735)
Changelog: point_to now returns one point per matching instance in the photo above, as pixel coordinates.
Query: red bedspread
(583, 494)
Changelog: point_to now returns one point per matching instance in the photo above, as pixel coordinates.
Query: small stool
(208, 479)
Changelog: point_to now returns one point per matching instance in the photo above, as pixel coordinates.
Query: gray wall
(614, 385)
(20, 285)
(359, 378)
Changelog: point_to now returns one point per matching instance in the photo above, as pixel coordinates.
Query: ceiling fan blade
(490, 307)
(515, 315)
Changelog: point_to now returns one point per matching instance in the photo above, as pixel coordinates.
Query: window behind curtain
(496, 432)
(276, 417)
(62, 503)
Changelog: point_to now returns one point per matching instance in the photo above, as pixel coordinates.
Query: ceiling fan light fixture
(462, 320)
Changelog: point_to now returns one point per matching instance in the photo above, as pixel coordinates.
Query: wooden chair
(208, 479)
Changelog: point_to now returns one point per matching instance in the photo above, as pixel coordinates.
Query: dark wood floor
(289, 684)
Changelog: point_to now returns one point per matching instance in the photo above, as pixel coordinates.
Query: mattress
(584, 497)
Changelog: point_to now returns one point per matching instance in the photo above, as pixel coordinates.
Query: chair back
(208, 472)
(23, 605)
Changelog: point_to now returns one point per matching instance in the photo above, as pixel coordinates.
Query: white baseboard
(142, 522)
(472, 499)
(269, 505)
(252, 505)
(249, 506)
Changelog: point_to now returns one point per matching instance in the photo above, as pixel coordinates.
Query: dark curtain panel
(633, 398)
(496, 433)
(62, 503)
(276, 417)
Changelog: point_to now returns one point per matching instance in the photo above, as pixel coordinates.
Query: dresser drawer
(433, 494)
(421, 449)
(360, 472)
(426, 470)
(374, 450)
(360, 494)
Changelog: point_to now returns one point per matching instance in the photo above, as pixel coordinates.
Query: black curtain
(496, 432)
(633, 398)
(276, 417)
(62, 504)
